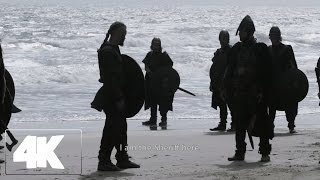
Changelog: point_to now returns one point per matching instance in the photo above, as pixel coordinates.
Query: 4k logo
(36, 151)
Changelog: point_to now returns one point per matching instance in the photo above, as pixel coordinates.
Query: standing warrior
(317, 69)
(2, 96)
(217, 72)
(155, 61)
(247, 82)
(282, 60)
(112, 101)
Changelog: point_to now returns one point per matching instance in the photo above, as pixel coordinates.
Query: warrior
(155, 61)
(112, 101)
(282, 60)
(247, 87)
(317, 70)
(2, 96)
(217, 72)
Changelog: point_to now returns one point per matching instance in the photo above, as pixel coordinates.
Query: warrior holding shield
(217, 72)
(7, 94)
(283, 60)
(161, 82)
(112, 99)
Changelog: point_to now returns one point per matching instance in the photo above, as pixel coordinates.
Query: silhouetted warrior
(2, 96)
(217, 72)
(154, 60)
(282, 60)
(112, 77)
(317, 69)
(248, 81)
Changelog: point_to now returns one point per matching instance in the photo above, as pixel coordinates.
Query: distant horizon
(164, 3)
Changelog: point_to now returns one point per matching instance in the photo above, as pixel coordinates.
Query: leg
(291, 113)
(108, 141)
(264, 149)
(232, 123)
(223, 118)
(163, 122)
(165, 104)
(123, 140)
(122, 156)
(241, 115)
(223, 113)
(153, 119)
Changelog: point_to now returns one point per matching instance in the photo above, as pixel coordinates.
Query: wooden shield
(134, 88)
(165, 81)
(292, 87)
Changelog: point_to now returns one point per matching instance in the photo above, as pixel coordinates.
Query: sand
(197, 153)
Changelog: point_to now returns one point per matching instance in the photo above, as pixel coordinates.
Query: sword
(250, 128)
(181, 89)
(188, 92)
(251, 140)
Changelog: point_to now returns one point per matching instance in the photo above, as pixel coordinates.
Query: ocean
(50, 48)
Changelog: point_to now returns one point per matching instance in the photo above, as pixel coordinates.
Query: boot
(152, 121)
(126, 164)
(292, 131)
(220, 127)
(107, 166)
(163, 122)
(265, 158)
(123, 161)
(231, 129)
(237, 157)
(105, 163)
(291, 127)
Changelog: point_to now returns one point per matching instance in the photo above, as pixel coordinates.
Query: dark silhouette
(282, 60)
(217, 72)
(7, 93)
(317, 70)
(2, 95)
(157, 62)
(248, 79)
(111, 99)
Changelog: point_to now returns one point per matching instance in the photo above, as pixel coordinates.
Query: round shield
(134, 90)
(292, 87)
(165, 81)
(211, 72)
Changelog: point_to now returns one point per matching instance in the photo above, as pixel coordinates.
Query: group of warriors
(244, 78)
(249, 78)
(279, 59)
(255, 81)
